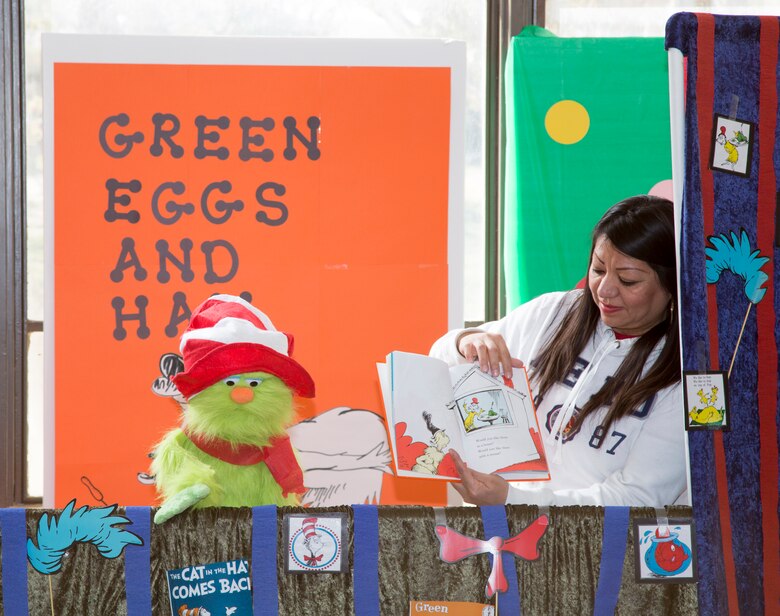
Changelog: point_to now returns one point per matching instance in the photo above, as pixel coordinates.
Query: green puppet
(239, 379)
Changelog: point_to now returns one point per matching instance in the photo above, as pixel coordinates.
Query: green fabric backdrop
(555, 193)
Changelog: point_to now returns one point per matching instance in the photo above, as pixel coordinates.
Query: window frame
(13, 327)
(505, 18)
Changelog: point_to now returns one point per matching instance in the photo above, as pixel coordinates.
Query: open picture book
(432, 408)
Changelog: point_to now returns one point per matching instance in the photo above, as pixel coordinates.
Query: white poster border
(247, 51)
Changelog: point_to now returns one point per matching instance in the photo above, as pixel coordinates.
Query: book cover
(216, 589)
(453, 608)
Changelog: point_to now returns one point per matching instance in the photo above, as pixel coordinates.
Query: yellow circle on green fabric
(567, 122)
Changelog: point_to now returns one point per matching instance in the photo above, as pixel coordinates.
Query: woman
(604, 365)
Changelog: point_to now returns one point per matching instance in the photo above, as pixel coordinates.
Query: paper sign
(706, 400)
(665, 553)
(318, 179)
(315, 543)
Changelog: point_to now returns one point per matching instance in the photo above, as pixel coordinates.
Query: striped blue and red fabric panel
(732, 71)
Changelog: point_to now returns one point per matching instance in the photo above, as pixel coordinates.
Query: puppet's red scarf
(278, 456)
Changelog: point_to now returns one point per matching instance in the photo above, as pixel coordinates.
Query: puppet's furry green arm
(181, 501)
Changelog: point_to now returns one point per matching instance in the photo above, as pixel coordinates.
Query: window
(483, 25)
(639, 18)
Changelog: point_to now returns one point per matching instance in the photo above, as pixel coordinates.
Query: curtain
(563, 580)
(729, 307)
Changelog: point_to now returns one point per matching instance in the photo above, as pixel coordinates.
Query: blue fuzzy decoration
(737, 257)
(85, 525)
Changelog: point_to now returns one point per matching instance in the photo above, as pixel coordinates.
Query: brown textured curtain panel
(563, 580)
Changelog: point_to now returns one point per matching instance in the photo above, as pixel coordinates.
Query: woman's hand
(490, 351)
(479, 488)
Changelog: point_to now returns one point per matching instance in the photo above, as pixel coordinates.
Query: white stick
(741, 331)
(51, 595)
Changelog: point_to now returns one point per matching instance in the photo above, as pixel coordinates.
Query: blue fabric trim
(265, 585)
(365, 539)
(613, 552)
(495, 525)
(138, 569)
(13, 532)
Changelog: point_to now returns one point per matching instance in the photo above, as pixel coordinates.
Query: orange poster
(320, 180)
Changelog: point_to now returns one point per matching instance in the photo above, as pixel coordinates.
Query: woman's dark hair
(641, 227)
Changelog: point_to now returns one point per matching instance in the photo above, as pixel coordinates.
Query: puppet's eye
(230, 381)
(254, 382)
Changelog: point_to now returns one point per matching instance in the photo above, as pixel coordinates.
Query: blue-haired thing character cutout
(85, 525)
(738, 257)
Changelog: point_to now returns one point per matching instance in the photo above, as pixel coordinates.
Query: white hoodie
(641, 460)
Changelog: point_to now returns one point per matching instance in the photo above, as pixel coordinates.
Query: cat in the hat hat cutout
(238, 380)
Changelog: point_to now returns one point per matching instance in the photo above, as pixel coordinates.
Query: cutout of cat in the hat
(238, 380)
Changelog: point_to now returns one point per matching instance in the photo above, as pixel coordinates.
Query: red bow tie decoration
(312, 560)
(455, 547)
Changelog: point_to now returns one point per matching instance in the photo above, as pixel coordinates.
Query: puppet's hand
(181, 501)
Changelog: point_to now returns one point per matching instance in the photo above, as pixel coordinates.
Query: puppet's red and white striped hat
(228, 336)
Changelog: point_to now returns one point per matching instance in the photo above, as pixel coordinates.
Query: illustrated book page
(433, 408)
